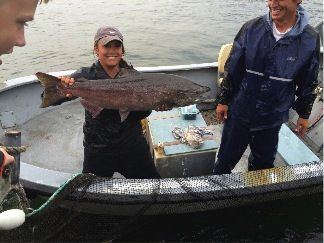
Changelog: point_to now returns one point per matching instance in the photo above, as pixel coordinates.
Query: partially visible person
(274, 58)
(14, 15)
(5, 159)
(113, 139)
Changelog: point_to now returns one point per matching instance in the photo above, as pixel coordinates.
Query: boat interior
(53, 136)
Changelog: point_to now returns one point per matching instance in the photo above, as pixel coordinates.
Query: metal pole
(13, 139)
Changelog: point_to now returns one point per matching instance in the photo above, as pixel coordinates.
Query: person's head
(14, 15)
(108, 46)
(283, 10)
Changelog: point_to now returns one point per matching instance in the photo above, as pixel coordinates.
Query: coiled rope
(13, 150)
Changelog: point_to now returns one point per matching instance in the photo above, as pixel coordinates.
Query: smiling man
(14, 15)
(274, 58)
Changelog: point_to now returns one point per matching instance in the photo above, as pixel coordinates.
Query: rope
(13, 150)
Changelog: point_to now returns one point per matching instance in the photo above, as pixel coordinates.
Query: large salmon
(144, 91)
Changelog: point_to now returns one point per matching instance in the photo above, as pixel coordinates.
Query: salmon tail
(51, 94)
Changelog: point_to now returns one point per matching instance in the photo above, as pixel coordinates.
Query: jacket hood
(302, 21)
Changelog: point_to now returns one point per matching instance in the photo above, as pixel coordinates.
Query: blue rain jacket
(263, 76)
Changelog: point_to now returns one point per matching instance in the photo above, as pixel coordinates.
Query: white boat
(54, 150)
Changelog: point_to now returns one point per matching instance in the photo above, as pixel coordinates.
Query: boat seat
(292, 149)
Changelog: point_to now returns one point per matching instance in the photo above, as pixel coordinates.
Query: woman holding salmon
(113, 139)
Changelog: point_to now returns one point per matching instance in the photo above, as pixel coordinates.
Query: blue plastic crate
(189, 112)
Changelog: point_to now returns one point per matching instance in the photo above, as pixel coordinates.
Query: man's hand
(5, 160)
(221, 112)
(67, 81)
(302, 125)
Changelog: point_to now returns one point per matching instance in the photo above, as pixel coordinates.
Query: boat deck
(59, 132)
(54, 139)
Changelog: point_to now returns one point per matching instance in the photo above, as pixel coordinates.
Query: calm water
(160, 33)
(167, 32)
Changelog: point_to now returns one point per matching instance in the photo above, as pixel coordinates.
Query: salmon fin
(92, 108)
(51, 94)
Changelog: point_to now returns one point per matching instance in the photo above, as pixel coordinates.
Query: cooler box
(172, 158)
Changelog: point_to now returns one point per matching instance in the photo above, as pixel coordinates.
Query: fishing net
(91, 208)
(16, 198)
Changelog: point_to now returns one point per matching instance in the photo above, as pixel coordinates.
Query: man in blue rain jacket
(274, 59)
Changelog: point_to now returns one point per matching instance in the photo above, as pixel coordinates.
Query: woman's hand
(67, 81)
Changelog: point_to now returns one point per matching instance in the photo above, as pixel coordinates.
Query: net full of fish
(144, 91)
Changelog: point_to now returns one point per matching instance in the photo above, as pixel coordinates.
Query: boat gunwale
(177, 203)
(13, 83)
(53, 179)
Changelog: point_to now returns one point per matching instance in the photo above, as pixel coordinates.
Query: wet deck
(54, 139)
